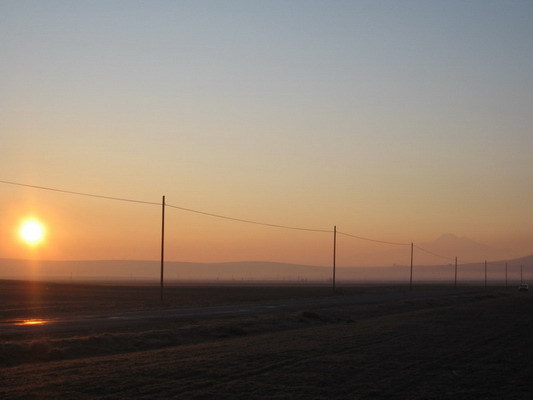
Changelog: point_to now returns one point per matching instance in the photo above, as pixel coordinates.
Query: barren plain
(75, 341)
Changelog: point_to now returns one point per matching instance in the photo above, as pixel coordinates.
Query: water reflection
(33, 321)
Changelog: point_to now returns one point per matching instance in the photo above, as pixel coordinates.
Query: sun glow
(32, 232)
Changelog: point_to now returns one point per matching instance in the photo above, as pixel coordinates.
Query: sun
(32, 232)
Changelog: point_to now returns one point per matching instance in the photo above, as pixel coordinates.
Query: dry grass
(469, 346)
(32, 299)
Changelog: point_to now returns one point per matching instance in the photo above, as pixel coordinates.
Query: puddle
(25, 322)
(33, 322)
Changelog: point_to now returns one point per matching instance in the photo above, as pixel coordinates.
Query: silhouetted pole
(455, 281)
(411, 276)
(334, 252)
(521, 274)
(162, 243)
(485, 274)
(506, 275)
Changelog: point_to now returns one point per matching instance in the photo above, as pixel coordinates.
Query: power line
(80, 193)
(248, 221)
(433, 254)
(463, 261)
(164, 204)
(373, 240)
(167, 205)
(218, 215)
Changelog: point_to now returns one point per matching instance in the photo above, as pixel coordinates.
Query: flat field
(264, 342)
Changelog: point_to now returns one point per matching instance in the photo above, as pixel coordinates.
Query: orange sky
(398, 126)
(79, 227)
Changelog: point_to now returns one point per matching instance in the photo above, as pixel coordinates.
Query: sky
(395, 121)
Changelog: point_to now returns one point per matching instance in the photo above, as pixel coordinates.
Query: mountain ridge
(175, 271)
(445, 247)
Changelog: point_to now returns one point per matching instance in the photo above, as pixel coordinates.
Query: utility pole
(411, 276)
(521, 274)
(455, 281)
(162, 243)
(485, 274)
(506, 275)
(334, 252)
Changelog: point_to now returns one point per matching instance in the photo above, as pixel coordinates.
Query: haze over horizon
(395, 121)
(434, 253)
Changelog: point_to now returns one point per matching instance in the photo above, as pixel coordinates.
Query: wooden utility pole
(485, 274)
(334, 252)
(506, 275)
(411, 276)
(455, 281)
(162, 243)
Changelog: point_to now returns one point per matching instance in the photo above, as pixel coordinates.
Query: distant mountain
(150, 270)
(527, 260)
(442, 250)
(449, 241)
(450, 245)
(251, 271)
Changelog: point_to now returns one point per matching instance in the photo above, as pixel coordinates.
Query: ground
(468, 343)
